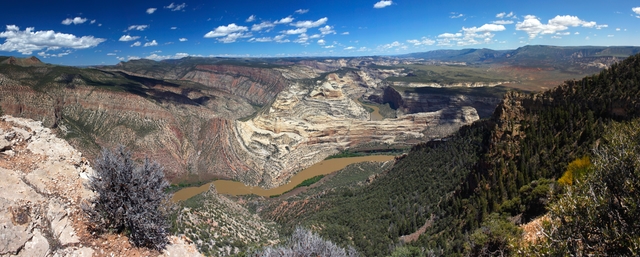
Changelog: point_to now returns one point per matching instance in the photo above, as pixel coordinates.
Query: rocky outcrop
(308, 122)
(416, 102)
(444, 85)
(257, 85)
(41, 191)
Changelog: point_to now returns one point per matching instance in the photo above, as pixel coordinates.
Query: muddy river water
(237, 188)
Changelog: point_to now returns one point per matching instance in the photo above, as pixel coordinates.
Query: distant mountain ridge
(530, 54)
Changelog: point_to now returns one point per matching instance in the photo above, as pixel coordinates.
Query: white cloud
(28, 40)
(563, 33)
(164, 57)
(505, 15)
(328, 47)
(152, 43)
(321, 42)
(175, 7)
(470, 36)
(126, 38)
(47, 55)
(423, 41)
(382, 4)
(151, 10)
(349, 48)
(263, 25)
(182, 39)
(76, 20)
(93, 21)
(251, 18)
(314, 36)
(617, 29)
(532, 25)
(230, 38)
(326, 30)
(609, 35)
(577, 33)
(137, 43)
(174, 27)
(288, 19)
(137, 27)
(311, 24)
(502, 22)
(345, 33)
(637, 11)
(363, 49)
(450, 35)
(222, 31)
(392, 45)
(120, 58)
(295, 31)
(484, 28)
(302, 39)
(281, 39)
(302, 11)
(261, 39)
(111, 54)
(454, 16)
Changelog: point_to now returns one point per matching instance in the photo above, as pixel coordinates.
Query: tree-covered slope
(507, 164)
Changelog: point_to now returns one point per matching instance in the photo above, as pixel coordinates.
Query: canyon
(251, 122)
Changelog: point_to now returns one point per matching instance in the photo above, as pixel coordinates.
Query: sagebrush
(130, 198)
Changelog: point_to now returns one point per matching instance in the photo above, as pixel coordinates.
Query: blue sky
(107, 32)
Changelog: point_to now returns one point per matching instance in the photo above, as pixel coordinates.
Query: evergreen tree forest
(467, 192)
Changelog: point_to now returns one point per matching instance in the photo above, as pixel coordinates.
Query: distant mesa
(31, 61)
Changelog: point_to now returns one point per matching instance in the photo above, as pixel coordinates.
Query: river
(237, 188)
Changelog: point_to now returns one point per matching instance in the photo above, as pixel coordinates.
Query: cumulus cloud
(532, 25)
(382, 4)
(505, 15)
(295, 31)
(470, 36)
(261, 39)
(233, 37)
(311, 24)
(126, 38)
(420, 42)
(321, 42)
(151, 10)
(302, 11)
(251, 18)
(137, 27)
(76, 20)
(285, 20)
(164, 57)
(137, 43)
(174, 7)
(326, 30)
(152, 43)
(302, 39)
(637, 11)
(502, 22)
(281, 39)
(263, 25)
(47, 55)
(29, 40)
(222, 31)
(392, 45)
(182, 39)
